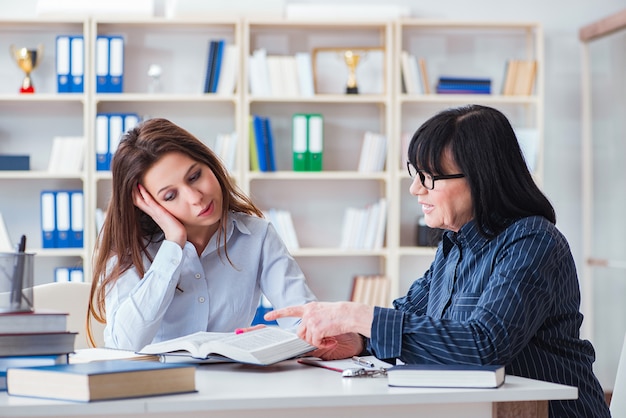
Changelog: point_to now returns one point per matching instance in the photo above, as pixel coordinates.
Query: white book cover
(366, 149)
(229, 71)
(380, 154)
(289, 69)
(406, 73)
(371, 226)
(67, 155)
(290, 231)
(379, 239)
(276, 76)
(305, 74)
(414, 74)
(348, 227)
(262, 70)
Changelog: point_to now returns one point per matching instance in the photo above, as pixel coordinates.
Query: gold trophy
(27, 60)
(352, 60)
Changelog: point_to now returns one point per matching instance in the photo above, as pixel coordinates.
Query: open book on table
(262, 346)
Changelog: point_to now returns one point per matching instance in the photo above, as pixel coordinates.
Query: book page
(263, 338)
(190, 343)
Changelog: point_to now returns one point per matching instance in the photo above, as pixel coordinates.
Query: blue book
(261, 141)
(210, 67)
(28, 361)
(217, 66)
(102, 380)
(269, 145)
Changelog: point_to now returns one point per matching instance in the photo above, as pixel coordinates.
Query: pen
(18, 275)
(362, 362)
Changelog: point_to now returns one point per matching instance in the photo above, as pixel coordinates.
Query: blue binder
(48, 219)
(103, 161)
(102, 63)
(63, 218)
(63, 64)
(77, 64)
(116, 65)
(77, 219)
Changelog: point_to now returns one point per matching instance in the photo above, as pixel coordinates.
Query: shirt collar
(468, 236)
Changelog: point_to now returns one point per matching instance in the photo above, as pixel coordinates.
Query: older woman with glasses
(502, 288)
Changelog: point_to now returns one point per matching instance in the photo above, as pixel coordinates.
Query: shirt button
(198, 275)
(201, 299)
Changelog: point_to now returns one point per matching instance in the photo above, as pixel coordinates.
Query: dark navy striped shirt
(511, 300)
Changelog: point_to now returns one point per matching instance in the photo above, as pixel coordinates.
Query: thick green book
(100, 380)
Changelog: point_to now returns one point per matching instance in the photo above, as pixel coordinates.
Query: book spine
(63, 64)
(316, 141)
(77, 64)
(300, 142)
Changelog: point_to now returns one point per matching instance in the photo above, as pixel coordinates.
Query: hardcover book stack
(38, 338)
(463, 85)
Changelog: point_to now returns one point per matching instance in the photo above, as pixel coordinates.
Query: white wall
(561, 20)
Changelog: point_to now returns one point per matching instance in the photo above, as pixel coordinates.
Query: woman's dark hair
(485, 148)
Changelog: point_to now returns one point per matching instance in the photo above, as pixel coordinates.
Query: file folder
(62, 274)
(76, 274)
(116, 130)
(63, 219)
(116, 65)
(77, 221)
(48, 219)
(316, 142)
(299, 137)
(102, 63)
(77, 66)
(103, 162)
(63, 64)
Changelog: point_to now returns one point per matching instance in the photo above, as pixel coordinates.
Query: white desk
(292, 390)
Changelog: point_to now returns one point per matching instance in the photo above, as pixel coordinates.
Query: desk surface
(292, 389)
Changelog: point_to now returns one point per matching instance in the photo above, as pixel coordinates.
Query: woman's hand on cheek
(173, 229)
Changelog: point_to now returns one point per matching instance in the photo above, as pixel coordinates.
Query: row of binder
(109, 130)
(62, 218)
(109, 64)
(69, 274)
(70, 63)
(307, 141)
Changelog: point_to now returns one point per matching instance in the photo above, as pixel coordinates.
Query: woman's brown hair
(127, 230)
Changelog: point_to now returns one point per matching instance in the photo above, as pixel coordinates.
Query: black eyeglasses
(427, 179)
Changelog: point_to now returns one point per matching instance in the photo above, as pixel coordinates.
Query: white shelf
(317, 200)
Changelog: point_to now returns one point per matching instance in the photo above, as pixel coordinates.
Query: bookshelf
(180, 49)
(29, 123)
(317, 200)
(458, 49)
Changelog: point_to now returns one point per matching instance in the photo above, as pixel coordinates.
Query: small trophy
(27, 60)
(352, 60)
(154, 72)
